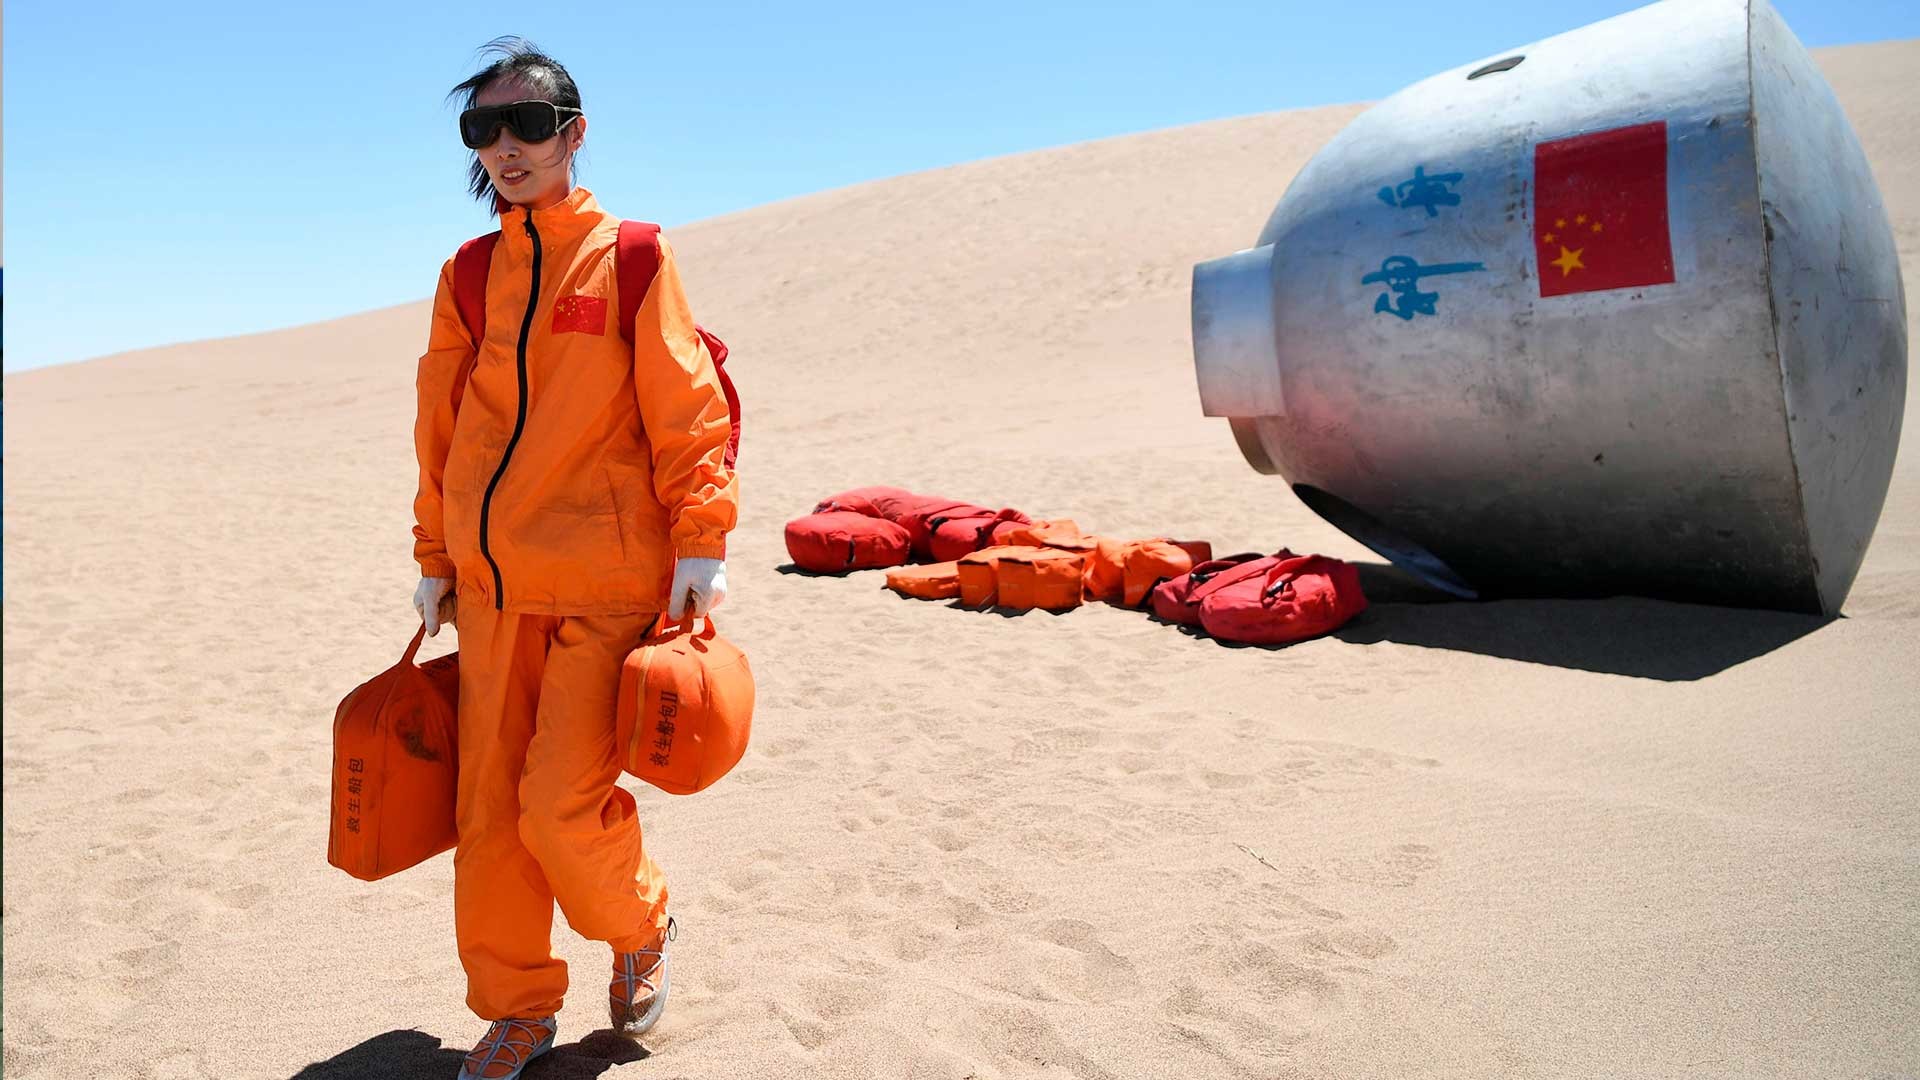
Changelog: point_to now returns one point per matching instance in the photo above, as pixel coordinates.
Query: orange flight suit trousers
(540, 815)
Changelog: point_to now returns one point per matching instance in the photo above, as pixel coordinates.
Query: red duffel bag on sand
(1291, 600)
(931, 513)
(904, 508)
(886, 502)
(953, 534)
(1173, 599)
(837, 541)
(685, 709)
(395, 767)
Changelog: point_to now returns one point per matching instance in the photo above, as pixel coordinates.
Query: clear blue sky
(177, 171)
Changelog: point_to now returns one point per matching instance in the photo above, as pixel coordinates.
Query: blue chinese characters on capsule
(1401, 274)
(1427, 192)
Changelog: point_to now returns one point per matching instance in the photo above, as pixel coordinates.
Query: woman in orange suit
(572, 488)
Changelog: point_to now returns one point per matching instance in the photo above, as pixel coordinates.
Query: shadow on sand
(792, 570)
(1622, 635)
(415, 1055)
(1648, 639)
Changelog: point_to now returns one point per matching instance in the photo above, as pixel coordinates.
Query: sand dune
(1542, 838)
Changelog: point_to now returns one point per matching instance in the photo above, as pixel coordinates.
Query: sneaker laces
(629, 971)
(499, 1038)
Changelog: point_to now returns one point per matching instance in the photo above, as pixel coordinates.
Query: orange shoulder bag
(685, 708)
(395, 767)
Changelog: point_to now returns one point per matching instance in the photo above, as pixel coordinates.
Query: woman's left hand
(702, 580)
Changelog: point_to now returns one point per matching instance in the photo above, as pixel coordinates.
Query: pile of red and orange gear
(1003, 558)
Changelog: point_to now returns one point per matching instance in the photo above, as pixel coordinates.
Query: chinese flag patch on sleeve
(1600, 211)
(580, 315)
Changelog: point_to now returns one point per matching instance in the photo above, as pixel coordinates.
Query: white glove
(705, 579)
(433, 599)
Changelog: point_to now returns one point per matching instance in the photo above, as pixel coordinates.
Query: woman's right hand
(433, 599)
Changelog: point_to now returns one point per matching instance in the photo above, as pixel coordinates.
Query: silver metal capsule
(1616, 312)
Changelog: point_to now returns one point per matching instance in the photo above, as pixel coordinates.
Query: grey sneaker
(638, 993)
(507, 1047)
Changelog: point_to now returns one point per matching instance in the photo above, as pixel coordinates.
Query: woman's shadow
(416, 1055)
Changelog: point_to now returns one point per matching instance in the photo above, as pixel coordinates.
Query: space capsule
(1616, 312)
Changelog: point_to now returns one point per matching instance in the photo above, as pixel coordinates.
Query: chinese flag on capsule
(1600, 211)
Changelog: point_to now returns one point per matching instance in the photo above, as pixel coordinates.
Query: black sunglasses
(531, 121)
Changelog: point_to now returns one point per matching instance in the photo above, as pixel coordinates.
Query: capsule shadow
(1622, 635)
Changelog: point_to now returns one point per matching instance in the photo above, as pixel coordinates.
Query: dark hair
(522, 61)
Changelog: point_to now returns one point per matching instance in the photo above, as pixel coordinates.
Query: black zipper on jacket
(519, 421)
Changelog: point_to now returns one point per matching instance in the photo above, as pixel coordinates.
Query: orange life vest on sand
(1060, 533)
(985, 573)
(1124, 572)
(395, 764)
(1043, 578)
(1022, 577)
(926, 581)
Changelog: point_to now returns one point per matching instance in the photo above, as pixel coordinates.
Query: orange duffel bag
(926, 581)
(1040, 578)
(685, 708)
(980, 573)
(395, 764)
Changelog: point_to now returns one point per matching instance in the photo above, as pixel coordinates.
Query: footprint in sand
(149, 962)
(808, 1032)
(1079, 966)
(1347, 943)
(1397, 868)
(914, 943)
(1255, 999)
(1006, 898)
(948, 839)
(242, 897)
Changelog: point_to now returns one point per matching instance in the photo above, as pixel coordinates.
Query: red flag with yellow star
(1600, 211)
(580, 314)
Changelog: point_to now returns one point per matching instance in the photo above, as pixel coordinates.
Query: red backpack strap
(1233, 575)
(718, 350)
(1204, 572)
(635, 261)
(1286, 570)
(470, 266)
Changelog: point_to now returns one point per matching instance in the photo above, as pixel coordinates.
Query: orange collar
(563, 222)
